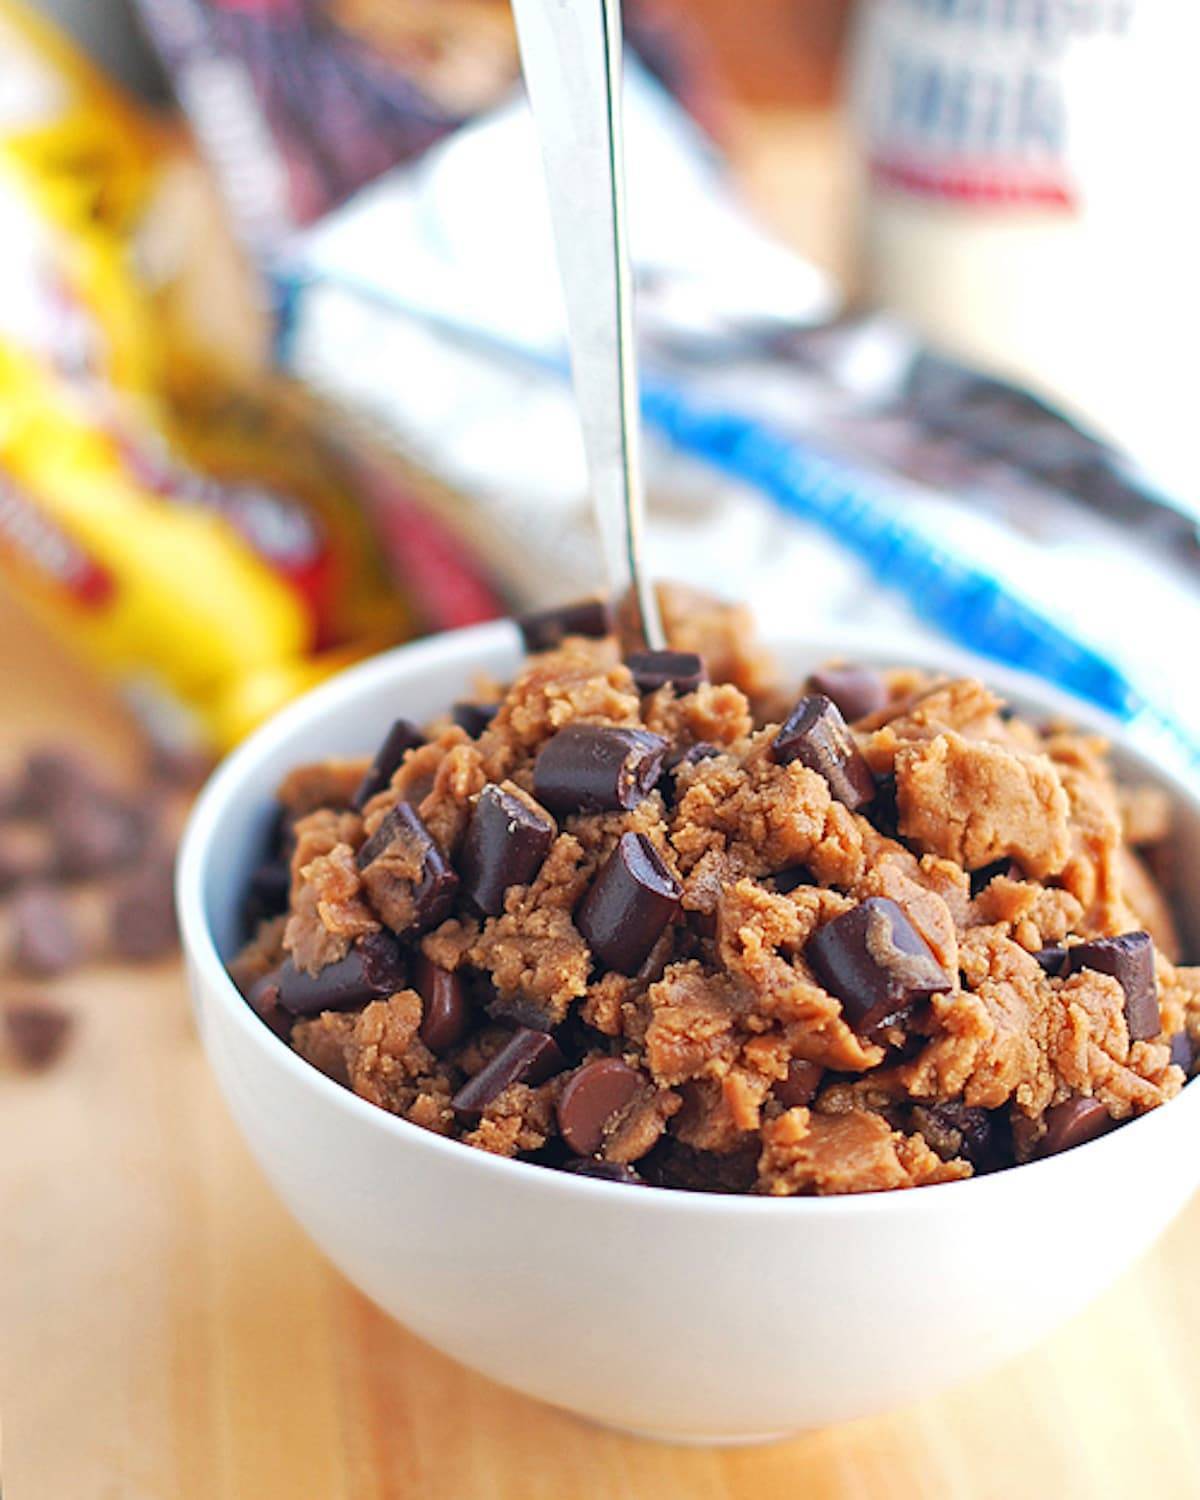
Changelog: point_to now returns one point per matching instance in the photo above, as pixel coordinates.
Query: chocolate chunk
(263, 999)
(402, 737)
(435, 888)
(789, 880)
(593, 1099)
(95, 834)
(527, 1057)
(816, 735)
(675, 758)
(474, 717)
(652, 670)
(1072, 1123)
(604, 1171)
(45, 939)
(445, 1006)
(628, 904)
(876, 963)
(142, 922)
(268, 894)
(885, 810)
(801, 1084)
(505, 844)
(1183, 1052)
(1053, 960)
(373, 969)
(37, 1032)
(1130, 960)
(547, 628)
(857, 691)
(596, 768)
(955, 1129)
(981, 879)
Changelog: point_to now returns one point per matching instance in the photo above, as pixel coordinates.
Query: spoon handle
(571, 59)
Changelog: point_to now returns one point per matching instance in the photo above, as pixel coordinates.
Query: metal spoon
(571, 59)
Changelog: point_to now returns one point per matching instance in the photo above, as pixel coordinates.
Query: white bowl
(682, 1316)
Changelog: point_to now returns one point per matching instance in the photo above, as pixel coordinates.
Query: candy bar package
(197, 535)
(826, 465)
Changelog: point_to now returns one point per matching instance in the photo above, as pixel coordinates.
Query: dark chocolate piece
(95, 834)
(628, 905)
(1053, 960)
(445, 1006)
(505, 844)
(37, 1032)
(1183, 1052)
(801, 1084)
(876, 963)
(267, 896)
(955, 1129)
(981, 879)
(263, 999)
(604, 1171)
(816, 735)
(789, 880)
(141, 922)
(597, 768)
(45, 939)
(402, 737)
(545, 629)
(1072, 1123)
(474, 717)
(652, 670)
(885, 810)
(373, 969)
(675, 758)
(593, 1098)
(527, 1057)
(857, 691)
(437, 885)
(50, 776)
(1130, 960)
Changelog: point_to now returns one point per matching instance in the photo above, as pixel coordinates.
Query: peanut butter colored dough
(997, 839)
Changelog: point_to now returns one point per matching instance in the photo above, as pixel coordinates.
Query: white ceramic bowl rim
(197, 851)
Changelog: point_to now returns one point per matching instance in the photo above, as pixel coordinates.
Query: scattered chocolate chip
(142, 922)
(981, 879)
(597, 768)
(1130, 960)
(545, 629)
(373, 969)
(402, 737)
(527, 1057)
(885, 810)
(857, 691)
(474, 717)
(267, 895)
(1072, 1123)
(446, 1008)
(604, 1171)
(1053, 960)
(955, 1129)
(631, 900)
(436, 886)
(876, 963)
(263, 998)
(1183, 1052)
(37, 1032)
(683, 670)
(507, 839)
(45, 940)
(593, 1099)
(95, 834)
(816, 735)
(789, 880)
(801, 1084)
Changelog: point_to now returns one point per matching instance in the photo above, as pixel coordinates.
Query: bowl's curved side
(677, 1314)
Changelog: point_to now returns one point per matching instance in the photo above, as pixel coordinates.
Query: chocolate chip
(46, 941)
(434, 890)
(1052, 960)
(545, 629)
(95, 834)
(1183, 1052)
(876, 963)
(628, 904)
(1072, 1123)
(142, 922)
(506, 841)
(683, 670)
(527, 1057)
(856, 691)
(816, 735)
(37, 1032)
(593, 1099)
(597, 768)
(402, 737)
(263, 999)
(373, 969)
(981, 879)
(474, 717)
(445, 1006)
(267, 896)
(676, 758)
(885, 810)
(801, 1084)
(604, 1171)
(954, 1129)
(1130, 960)
(789, 880)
